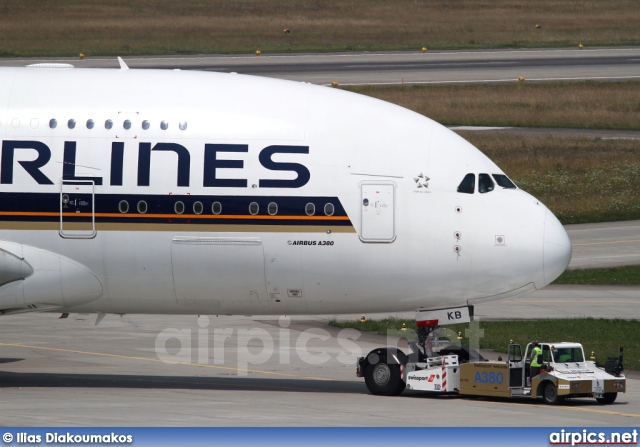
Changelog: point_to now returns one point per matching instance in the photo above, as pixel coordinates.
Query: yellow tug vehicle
(565, 373)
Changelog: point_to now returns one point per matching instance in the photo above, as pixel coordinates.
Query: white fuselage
(227, 194)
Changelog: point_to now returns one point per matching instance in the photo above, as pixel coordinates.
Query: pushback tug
(565, 373)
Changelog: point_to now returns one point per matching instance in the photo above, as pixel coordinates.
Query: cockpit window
(468, 184)
(503, 181)
(485, 184)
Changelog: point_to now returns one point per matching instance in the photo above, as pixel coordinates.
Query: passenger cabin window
(485, 184)
(310, 209)
(329, 209)
(468, 184)
(142, 207)
(503, 181)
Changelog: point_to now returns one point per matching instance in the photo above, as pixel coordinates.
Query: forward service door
(377, 216)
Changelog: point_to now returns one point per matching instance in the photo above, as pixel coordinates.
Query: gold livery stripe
(191, 228)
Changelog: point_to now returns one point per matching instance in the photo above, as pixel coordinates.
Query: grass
(599, 335)
(123, 27)
(581, 105)
(619, 276)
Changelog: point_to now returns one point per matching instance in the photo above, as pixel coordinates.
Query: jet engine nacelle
(33, 279)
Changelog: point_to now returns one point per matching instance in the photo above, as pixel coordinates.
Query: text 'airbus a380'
(180, 192)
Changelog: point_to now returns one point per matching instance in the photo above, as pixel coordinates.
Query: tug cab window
(503, 181)
(468, 184)
(485, 184)
(568, 355)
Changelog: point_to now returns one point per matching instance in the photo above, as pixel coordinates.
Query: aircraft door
(77, 209)
(377, 216)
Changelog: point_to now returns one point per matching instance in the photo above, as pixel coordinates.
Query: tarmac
(140, 370)
(395, 68)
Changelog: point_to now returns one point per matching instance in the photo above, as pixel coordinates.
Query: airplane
(183, 192)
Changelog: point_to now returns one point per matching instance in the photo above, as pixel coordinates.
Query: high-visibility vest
(536, 352)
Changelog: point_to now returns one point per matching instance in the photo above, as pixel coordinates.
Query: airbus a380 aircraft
(178, 192)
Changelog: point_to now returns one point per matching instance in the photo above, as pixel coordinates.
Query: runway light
(424, 49)
(363, 319)
(258, 52)
(81, 55)
(538, 26)
(404, 327)
(581, 46)
(335, 83)
(521, 79)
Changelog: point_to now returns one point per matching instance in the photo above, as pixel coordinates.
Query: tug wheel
(550, 394)
(607, 398)
(383, 379)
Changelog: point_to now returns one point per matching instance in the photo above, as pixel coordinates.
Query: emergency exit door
(377, 217)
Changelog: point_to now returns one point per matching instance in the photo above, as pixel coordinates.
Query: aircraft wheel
(383, 379)
(550, 394)
(607, 398)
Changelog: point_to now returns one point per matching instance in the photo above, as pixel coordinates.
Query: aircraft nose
(557, 248)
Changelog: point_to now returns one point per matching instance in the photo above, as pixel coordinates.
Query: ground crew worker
(536, 354)
(562, 356)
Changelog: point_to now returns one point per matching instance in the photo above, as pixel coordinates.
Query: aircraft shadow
(50, 380)
(10, 360)
(253, 384)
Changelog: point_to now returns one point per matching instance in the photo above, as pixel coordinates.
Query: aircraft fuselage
(144, 191)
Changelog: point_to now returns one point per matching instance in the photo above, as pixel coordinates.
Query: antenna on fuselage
(123, 65)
